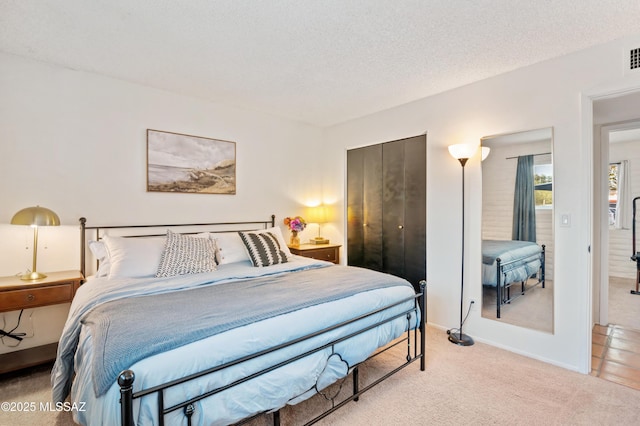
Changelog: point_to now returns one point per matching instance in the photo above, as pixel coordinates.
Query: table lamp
(35, 217)
(318, 214)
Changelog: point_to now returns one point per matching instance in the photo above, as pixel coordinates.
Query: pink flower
(295, 224)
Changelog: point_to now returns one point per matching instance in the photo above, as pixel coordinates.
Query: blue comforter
(519, 260)
(163, 322)
(206, 309)
(507, 250)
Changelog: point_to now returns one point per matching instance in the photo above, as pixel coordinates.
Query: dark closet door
(415, 209)
(393, 201)
(386, 208)
(364, 207)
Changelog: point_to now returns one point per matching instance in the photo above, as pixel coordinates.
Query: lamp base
(33, 276)
(319, 240)
(460, 339)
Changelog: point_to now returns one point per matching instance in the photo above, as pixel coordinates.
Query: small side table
(328, 252)
(15, 294)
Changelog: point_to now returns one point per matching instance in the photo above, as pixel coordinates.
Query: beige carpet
(532, 310)
(479, 385)
(624, 307)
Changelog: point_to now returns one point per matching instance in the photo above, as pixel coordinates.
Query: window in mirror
(613, 192)
(543, 184)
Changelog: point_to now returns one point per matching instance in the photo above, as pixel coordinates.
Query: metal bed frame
(414, 339)
(503, 292)
(221, 227)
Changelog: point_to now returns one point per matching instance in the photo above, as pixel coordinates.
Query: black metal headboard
(211, 227)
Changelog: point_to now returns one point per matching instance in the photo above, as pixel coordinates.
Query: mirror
(517, 229)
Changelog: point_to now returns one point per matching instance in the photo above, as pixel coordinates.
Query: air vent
(630, 56)
(634, 59)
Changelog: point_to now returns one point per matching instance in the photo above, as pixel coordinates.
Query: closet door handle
(365, 225)
(400, 226)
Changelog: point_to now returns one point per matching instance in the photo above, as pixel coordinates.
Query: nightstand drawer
(328, 254)
(16, 294)
(31, 298)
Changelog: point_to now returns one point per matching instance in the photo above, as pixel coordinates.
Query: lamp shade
(317, 214)
(460, 151)
(485, 152)
(36, 216)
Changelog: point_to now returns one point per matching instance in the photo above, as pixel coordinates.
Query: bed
(247, 334)
(508, 262)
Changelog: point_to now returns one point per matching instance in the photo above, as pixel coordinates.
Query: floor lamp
(462, 153)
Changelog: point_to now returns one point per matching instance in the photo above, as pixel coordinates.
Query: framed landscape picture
(192, 164)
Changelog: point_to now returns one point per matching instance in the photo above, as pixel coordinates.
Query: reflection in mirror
(517, 229)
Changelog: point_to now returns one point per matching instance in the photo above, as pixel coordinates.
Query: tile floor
(616, 355)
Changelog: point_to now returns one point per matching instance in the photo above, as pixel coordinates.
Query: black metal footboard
(503, 289)
(415, 350)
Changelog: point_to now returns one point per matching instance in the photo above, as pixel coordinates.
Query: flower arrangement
(295, 224)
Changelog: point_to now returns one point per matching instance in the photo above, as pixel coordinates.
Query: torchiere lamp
(35, 217)
(462, 153)
(485, 152)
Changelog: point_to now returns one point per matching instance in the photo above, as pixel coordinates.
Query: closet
(386, 208)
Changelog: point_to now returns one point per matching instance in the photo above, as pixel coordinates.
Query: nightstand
(328, 252)
(15, 294)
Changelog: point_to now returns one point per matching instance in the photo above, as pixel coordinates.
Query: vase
(294, 240)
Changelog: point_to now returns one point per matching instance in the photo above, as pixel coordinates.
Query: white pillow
(230, 247)
(100, 253)
(134, 257)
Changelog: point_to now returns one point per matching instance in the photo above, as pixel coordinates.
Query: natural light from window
(543, 185)
(613, 193)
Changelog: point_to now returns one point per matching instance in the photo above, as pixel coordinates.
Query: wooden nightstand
(328, 252)
(15, 294)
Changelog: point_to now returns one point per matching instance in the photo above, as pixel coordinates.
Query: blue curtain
(524, 203)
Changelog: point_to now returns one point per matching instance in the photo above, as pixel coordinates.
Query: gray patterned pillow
(186, 255)
(263, 248)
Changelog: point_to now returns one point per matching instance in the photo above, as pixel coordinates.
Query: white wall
(75, 142)
(550, 94)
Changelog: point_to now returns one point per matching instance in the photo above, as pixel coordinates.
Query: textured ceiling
(316, 61)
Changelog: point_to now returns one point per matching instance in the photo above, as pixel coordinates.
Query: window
(543, 185)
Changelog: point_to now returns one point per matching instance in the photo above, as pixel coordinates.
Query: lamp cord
(11, 334)
(455, 330)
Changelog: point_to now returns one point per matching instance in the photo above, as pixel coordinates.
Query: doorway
(623, 140)
(616, 334)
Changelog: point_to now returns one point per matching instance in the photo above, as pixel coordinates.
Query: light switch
(565, 220)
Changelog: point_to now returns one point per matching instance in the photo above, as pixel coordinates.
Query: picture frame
(190, 164)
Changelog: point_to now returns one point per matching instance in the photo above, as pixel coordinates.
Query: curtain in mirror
(524, 204)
